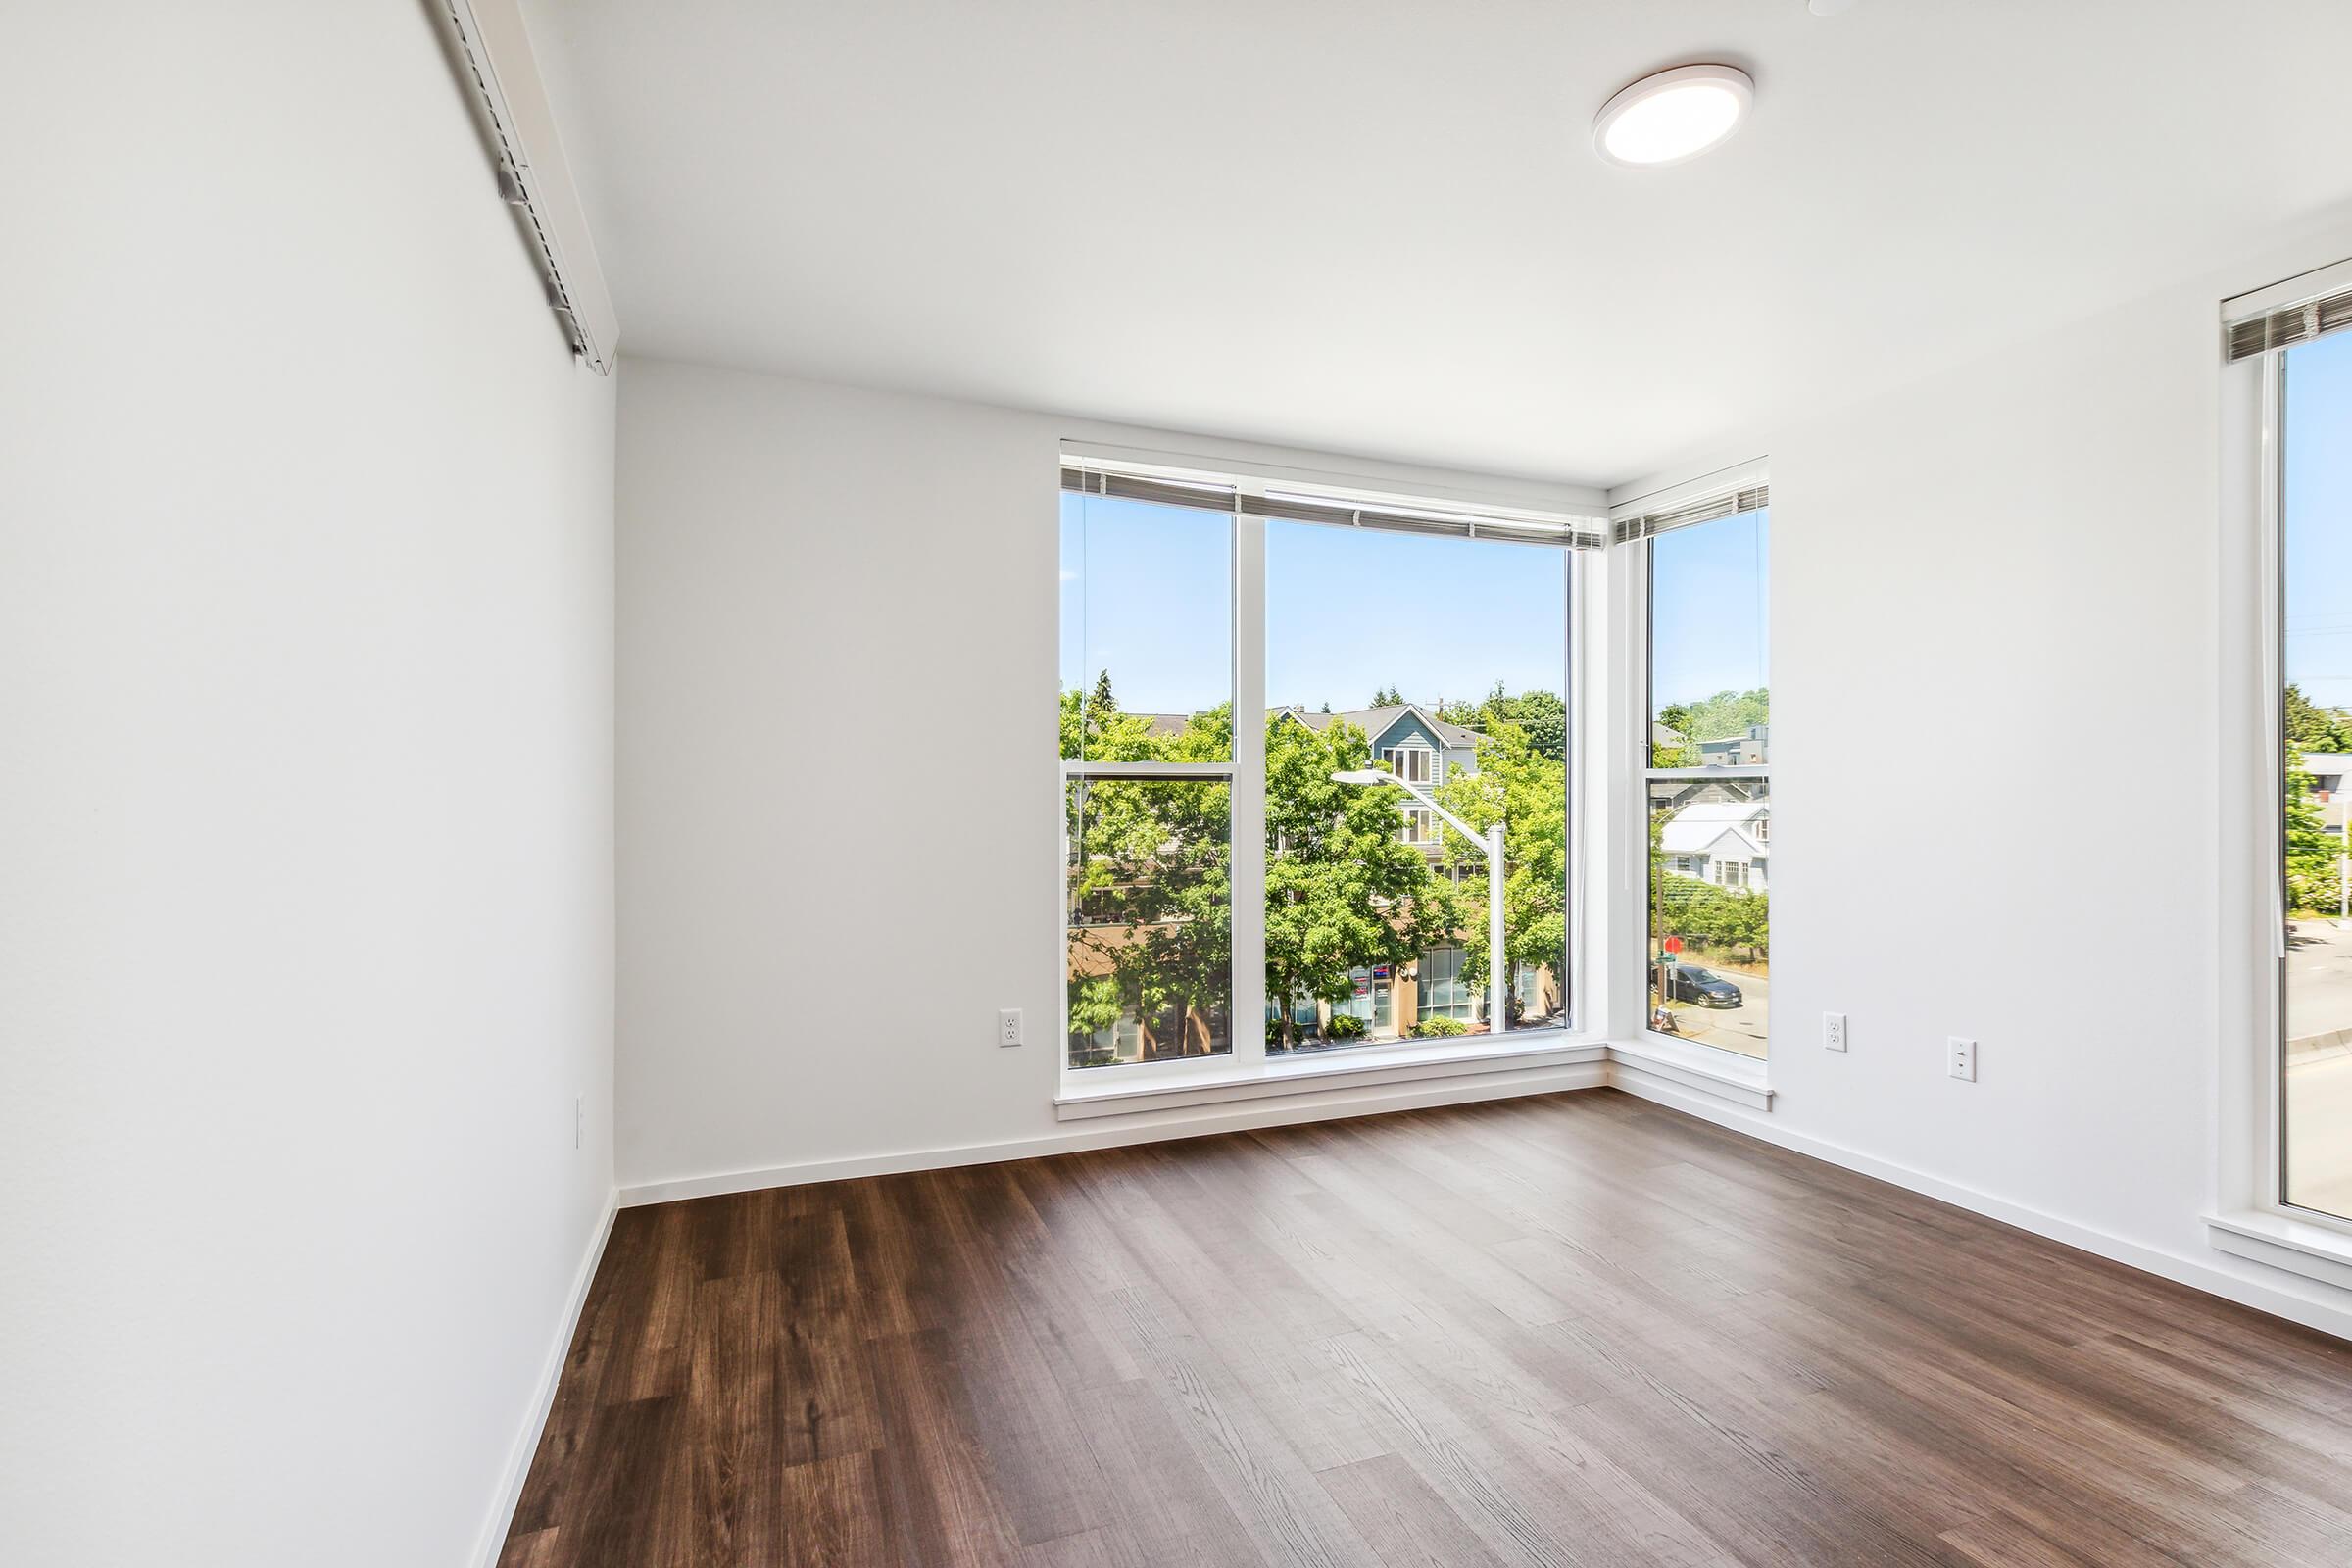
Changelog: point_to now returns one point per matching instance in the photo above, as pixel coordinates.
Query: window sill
(1368, 1066)
(2315, 1251)
(1705, 1069)
(1696, 1069)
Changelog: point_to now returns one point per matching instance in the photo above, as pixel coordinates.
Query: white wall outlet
(1833, 1031)
(1963, 1053)
(1009, 1027)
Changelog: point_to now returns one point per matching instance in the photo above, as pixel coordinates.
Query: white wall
(838, 668)
(1998, 736)
(305, 798)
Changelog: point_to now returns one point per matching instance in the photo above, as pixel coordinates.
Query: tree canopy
(1150, 882)
(2312, 872)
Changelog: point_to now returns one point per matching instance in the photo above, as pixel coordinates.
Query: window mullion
(1249, 843)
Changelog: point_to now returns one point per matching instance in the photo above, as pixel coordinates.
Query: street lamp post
(1488, 843)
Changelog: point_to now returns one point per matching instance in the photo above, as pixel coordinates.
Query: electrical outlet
(1963, 1058)
(1009, 1027)
(1833, 1031)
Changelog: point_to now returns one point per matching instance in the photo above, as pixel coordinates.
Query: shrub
(1430, 1028)
(1345, 1026)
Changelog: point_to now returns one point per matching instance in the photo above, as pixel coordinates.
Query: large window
(2315, 509)
(1147, 746)
(1463, 704)
(1709, 740)
(1344, 815)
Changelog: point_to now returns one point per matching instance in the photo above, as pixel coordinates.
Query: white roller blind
(1303, 506)
(1705, 508)
(2276, 323)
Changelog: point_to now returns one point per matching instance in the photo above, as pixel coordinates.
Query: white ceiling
(1378, 227)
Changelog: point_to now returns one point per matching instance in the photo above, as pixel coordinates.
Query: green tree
(1720, 717)
(1093, 729)
(2313, 728)
(1150, 882)
(1388, 696)
(1527, 791)
(1343, 891)
(2312, 874)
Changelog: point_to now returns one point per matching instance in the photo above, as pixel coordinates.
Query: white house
(2328, 770)
(1723, 842)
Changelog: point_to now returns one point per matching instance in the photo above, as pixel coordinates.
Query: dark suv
(1687, 982)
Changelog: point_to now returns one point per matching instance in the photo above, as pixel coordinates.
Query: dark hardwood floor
(1578, 1329)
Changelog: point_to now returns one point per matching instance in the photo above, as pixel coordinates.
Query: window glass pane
(2315, 510)
(1150, 920)
(1709, 685)
(1438, 662)
(1146, 631)
(1710, 915)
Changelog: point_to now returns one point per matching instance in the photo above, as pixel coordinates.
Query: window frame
(1248, 1057)
(2255, 400)
(1636, 650)
(2248, 1217)
(1392, 757)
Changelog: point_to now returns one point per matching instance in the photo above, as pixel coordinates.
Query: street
(2319, 1073)
(2319, 1133)
(1740, 1028)
(2319, 979)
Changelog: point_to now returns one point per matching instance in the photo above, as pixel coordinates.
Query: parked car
(1691, 983)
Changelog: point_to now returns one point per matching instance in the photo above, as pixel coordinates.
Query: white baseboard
(1117, 1131)
(493, 1539)
(2188, 1271)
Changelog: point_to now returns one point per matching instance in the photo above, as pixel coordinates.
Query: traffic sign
(1674, 944)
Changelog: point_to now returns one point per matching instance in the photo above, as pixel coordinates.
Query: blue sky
(2318, 501)
(1145, 594)
(1708, 617)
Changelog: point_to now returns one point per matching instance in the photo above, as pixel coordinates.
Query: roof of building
(1373, 721)
(1702, 824)
(1723, 811)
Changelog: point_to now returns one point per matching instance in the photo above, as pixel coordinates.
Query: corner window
(1147, 746)
(1709, 781)
(1339, 823)
(2315, 731)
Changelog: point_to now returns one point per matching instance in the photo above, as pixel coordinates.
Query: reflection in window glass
(1710, 912)
(2316, 512)
(1150, 920)
(1709, 690)
(1438, 662)
(1146, 631)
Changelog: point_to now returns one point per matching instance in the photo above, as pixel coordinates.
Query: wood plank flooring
(1572, 1330)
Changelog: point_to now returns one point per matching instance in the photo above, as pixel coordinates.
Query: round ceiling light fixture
(1672, 115)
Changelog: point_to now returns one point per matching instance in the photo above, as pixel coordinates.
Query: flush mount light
(1671, 116)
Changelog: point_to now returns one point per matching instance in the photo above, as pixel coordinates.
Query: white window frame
(2249, 1216)
(1395, 757)
(1632, 679)
(1246, 1067)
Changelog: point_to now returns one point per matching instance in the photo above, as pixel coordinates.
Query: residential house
(1415, 745)
(1723, 841)
(1751, 748)
(2327, 771)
